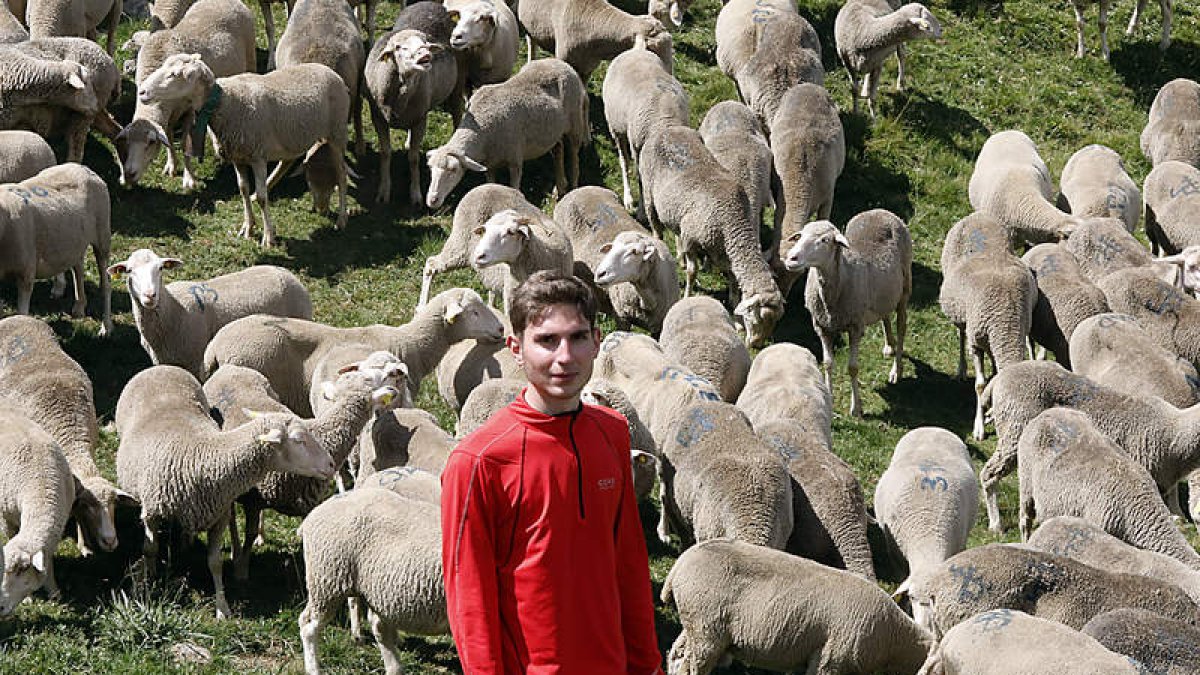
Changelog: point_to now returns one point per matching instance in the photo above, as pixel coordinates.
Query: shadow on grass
(973, 8)
(952, 127)
(926, 285)
(865, 183)
(928, 397)
(109, 361)
(1145, 68)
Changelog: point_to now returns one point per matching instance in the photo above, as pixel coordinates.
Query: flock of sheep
(251, 402)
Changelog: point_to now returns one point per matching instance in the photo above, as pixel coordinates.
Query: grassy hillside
(999, 66)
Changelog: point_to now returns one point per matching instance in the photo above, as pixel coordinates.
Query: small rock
(190, 652)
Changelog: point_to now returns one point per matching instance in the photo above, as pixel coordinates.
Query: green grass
(999, 66)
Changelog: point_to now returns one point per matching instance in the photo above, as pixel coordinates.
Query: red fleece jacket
(545, 564)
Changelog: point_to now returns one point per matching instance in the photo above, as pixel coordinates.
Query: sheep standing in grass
(543, 108)
(525, 245)
(1159, 644)
(1012, 183)
(47, 223)
(36, 494)
(989, 295)
(733, 134)
(698, 332)
(185, 471)
(867, 32)
(1172, 131)
(854, 281)
(585, 32)
(1172, 200)
(256, 119)
(785, 383)
(486, 32)
(176, 321)
(1065, 298)
(1095, 184)
(774, 610)
(25, 155)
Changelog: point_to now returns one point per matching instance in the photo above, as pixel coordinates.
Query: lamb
(854, 281)
(989, 295)
(766, 48)
(785, 383)
(585, 32)
(1170, 316)
(1114, 350)
(25, 155)
(1159, 644)
(1094, 184)
(486, 32)
(177, 321)
(927, 499)
(288, 350)
(1068, 468)
(734, 136)
(709, 492)
(808, 147)
(470, 362)
(699, 334)
(39, 380)
(639, 94)
(610, 248)
(1170, 132)
(408, 72)
(1003, 641)
(524, 245)
(685, 189)
(826, 620)
(36, 494)
(484, 400)
(543, 108)
(1102, 246)
(1090, 544)
(403, 437)
(1065, 298)
(1172, 196)
(63, 18)
(222, 33)
(256, 119)
(1057, 588)
(386, 549)
(185, 471)
(47, 223)
(829, 515)
(1012, 183)
(867, 32)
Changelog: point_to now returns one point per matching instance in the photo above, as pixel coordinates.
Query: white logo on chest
(606, 483)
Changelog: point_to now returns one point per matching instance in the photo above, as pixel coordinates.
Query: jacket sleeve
(633, 579)
(468, 564)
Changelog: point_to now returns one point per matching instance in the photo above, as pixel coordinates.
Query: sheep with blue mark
(1171, 316)
(1065, 298)
(1094, 184)
(1159, 644)
(699, 333)
(1174, 120)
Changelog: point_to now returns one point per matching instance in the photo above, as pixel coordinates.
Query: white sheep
(525, 245)
(1116, 351)
(484, 401)
(1170, 133)
(1102, 246)
(47, 223)
(36, 494)
(186, 471)
(256, 119)
(486, 31)
(543, 108)
(1012, 183)
(733, 134)
(867, 32)
(1172, 196)
(25, 155)
(642, 449)
(585, 32)
(1171, 316)
(11, 28)
(853, 281)
(176, 321)
(1094, 184)
(30, 83)
(64, 18)
(1065, 298)
(785, 383)
(404, 437)
(470, 362)
(699, 333)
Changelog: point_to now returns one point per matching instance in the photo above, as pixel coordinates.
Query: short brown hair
(546, 288)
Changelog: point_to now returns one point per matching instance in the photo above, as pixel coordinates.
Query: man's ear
(514, 346)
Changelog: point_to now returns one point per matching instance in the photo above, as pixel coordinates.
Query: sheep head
(501, 238)
(1188, 262)
(296, 450)
(757, 316)
(410, 50)
(381, 371)
(24, 572)
(75, 90)
(626, 258)
(95, 509)
(144, 268)
(924, 23)
(668, 10)
(474, 25)
(181, 77)
(466, 316)
(137, 147)
(446, 169)
(816, 245)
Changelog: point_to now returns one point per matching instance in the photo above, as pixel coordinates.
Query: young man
(545, 564)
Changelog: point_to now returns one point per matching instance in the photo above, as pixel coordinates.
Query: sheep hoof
(978, 432)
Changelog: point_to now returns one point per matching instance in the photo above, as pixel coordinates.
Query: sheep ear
(75, 81)
(38, 562)
(115, 271)
(795, 236)
(523, 227)
(453, 310)
(454, 15)
(348, 368)
(471, 164)
(478, 232)
(171, 263)
(606, 248)
(841, 240)
(273, 436)
(328, 390)
(313, 150)
(676, 14)
(649, 252)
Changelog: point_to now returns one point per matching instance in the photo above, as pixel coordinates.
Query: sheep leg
(77, 309)
(50, 584)
(1104, 29)
(514, 175)
(560, 173)
(901, 57)
(269, 29)
(889, 338)
(416, 136)
(1167, 15)
(77, 137)
(357, 612)
(1027, 515)
(980, 380)
(572, 153)
(826, 356)
(312, 620)
(700, 654)
(1137, 14)
(260, 194)
(339, 168)
(216, 561)
(356, 118)
(241, 559)
(383, 193)
(243, 180)
(189, 179)
(169, 166)
(427, 280)
(622, 143)
(852, 369)
(854, 88)
(901, 332)
(691, 266)
(280, 172)
(150, 549)
(962, 352)
(1079, 25)
(871, 85)
(1171, 495)
(385, 638)
(59, 286)
(106, 323)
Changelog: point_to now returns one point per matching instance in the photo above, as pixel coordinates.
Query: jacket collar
(532, 416)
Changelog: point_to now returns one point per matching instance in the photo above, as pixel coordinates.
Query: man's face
(557, 352)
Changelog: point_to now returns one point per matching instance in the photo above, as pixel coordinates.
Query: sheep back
(1171, 131)
(1159, 644)
(1114, 350)
(699, 333)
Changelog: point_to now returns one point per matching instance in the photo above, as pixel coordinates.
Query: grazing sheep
(1172, 198)
(543, 108)
(288, 351)
(1067, 467)
(386, 550)
(1012, 183)
(610, 247)
(483, 401)
(1091, 545)
(685, 189)
(709, 492)
(854, 281)
(1159, 644)
(639, 95)
(1102, 246)
(766, 48)
(785, 383)
(526, 245)
(25, 155)
(36, 494)
(404, 437)
(1006, 641)
(1065, 298)
(1053, 587)
(486, 32)
(1171, 316)
(867, 32)
(1171, 131)
(47, 223)
(28, 82)
(256, 119)
(222, 33)
(185, 471)
(774, 610)
(1114, 350)
(177, 321)
(699, 333)
(732, 133)
(585, 32)
(39, 380)
(64, 18)
(470, 362)
(989, 295)
(1094, 184)
(927, 499)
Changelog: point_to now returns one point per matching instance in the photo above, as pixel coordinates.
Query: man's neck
(550, 406)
